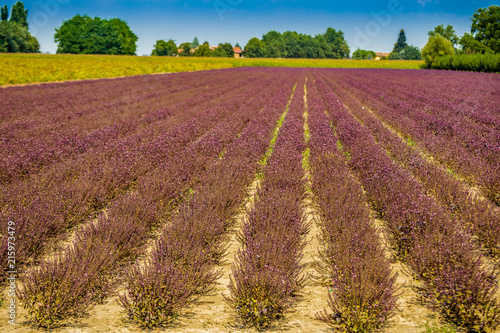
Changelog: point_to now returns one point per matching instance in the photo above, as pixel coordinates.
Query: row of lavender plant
(72, 129)
(182, 265)
(52, 203)
(55, 290)
(441, 255)
(471, 151)
(362, 292)
(266, 273)
(476, 214)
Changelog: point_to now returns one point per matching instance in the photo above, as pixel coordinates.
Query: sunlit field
(32, 68)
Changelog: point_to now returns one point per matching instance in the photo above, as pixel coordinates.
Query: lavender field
(290, 199)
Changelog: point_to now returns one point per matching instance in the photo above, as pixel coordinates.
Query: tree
(16, 38)
(275, 45)
(470, 45)
(362, 54)
(436, 46)
(255, 48)
(4, 13)
(186, 50)
(224, 50)
(337, 43)
(203, 50)
(86, 35)
(163, 48)
(486, 27)
(237, 45)
(126, 37)
(19, 14)
(400, 43)
(411, 52)
(195, 43)
(448, 33)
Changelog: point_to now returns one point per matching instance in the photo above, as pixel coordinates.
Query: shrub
(469, 62)
(436, 46)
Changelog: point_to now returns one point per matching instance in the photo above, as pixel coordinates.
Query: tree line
(14, 34)
(87, 35)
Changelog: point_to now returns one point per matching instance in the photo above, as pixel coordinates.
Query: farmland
(35, 68)
(296, 199)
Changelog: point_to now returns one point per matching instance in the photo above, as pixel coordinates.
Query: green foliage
(486, 27)
(224, 50)
(19, 14)
(16, 38)
(448, 33)
(436, 46)
(394, 56)
(291, 44)
(186, 50)
(338, 44)
(362, 54)
(203, 50)
(470, 45)
(465, 62)
(255, 48)
(86, 35)
(195, 43)
(400, 43)
(410, 52)
(163, 48)
(4, 13)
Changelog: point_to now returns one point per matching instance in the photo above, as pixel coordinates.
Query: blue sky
(372, 25)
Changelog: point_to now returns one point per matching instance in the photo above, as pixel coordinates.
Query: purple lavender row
(446, 118)
(118, 234)
(362, 294)
(471, 152)
(442, 257)
(46, 207)
(474, 214)
(58, 134)
(184, 257)
(267, 270)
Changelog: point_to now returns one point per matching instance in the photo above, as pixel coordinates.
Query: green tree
(400, 43)
(337, 43)
(395, 56)
(127, 39)
(163, 48)
(470, 45)
(195, 43)
(4, 13)
(411, 52)
(486, 27)
(19, 14)
(436, 46)
(275, 44)
(186, 50)
(448, 33)
(203, 50)
(86, 35)
(255, 48)
(362, 54)
(224, 50)
(16, 38)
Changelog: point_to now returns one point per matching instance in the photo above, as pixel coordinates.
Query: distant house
(237, 52)
(381, 55)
